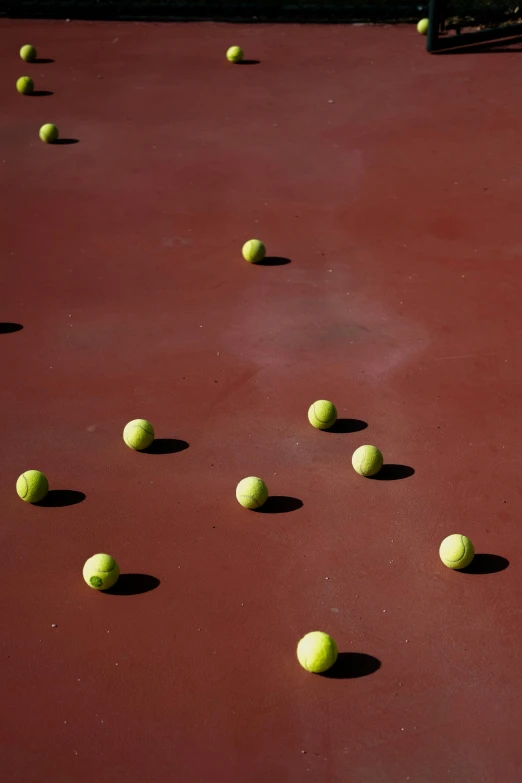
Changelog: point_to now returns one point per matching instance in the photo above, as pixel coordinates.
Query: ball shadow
(273, 261)
(63, 142)
(393, 473)
(43, 61)
(351, 665)
(165, 446)
(133, 584)
(486, 564)
(40, 93)
(347, 425)
(8, 328)
(248, 62)
(57, 498)
(280, 504)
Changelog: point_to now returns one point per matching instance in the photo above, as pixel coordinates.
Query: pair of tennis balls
(317, 651)
(33, 486)
(366, 460)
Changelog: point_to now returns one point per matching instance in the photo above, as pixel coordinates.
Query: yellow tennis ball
(254, 251)
(28, 53)
(25, 85)
(251, 492)
(317, 652)
(49, 133)
(322, 414)
(138, 434)
(101, 572)
(234, 54)
(422, 26)
(456, 551)
(367, 460)
(32, 486)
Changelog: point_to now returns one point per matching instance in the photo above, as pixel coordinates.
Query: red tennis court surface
(391, 181)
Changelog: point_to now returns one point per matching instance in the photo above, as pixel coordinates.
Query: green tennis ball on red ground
(456, 551)
(317, 652)
(252, 492)
(322, 414)
(367, 460)
(25, 85)
(422, 26)
(234, 54)
(49, 133)
(254, 251)
(101, 572)
(28, 53)
(32, 486)
(138, 434)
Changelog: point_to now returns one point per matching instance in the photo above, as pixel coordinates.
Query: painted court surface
(386, 184)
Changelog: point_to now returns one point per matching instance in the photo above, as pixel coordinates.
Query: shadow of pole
(9, 328)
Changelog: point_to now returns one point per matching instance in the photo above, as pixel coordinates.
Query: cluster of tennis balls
(317, 651)
(252, 491)
(101, 572)
(48, 133)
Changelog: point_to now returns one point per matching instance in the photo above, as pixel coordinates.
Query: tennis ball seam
(323, 421)
(462, 555)
(26, 486)
(251, 497)
(141, 427)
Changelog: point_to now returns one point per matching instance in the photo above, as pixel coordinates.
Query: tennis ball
(251, 492)
(254, 251)
(317, 652)
(234, 54)
(138, 434)
(49, 133)
(367, 460)
(28, 53)
(456, 551)
(32, 486)
(101, 572)
(422, 26)
(25, 85)
(322, 414)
